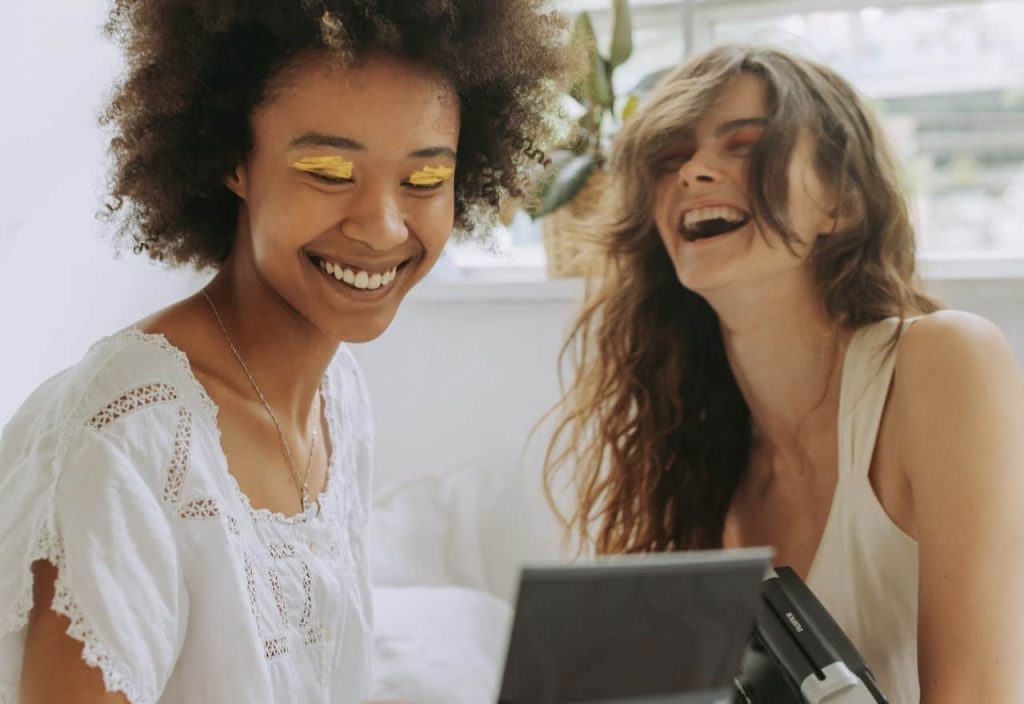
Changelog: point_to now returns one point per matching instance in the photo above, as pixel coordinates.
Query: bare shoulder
(958, 405)
(188, 326)
(175, 320)
(958, 391)
(952, 327)
(949, 348)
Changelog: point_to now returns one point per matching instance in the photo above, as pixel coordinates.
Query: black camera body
(798, 654)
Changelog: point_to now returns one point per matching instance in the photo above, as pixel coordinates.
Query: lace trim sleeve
(81, 503)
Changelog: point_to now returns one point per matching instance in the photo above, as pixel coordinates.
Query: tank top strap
(868, 367)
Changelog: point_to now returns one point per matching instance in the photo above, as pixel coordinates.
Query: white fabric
(439, 644)
(471, 526)
(865, 570)
(179, 589)
(446, 553)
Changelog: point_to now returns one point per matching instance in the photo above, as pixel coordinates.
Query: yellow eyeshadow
(431, 175)
(333, 166)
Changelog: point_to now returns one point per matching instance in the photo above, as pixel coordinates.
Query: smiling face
(702, 205)
(348, 195)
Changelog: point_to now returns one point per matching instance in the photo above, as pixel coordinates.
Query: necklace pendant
(305, 499)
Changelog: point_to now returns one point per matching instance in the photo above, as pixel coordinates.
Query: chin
(353, 325)
(702, 281)
(363, 330)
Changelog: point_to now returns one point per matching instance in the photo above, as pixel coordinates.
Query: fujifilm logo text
(796, 624)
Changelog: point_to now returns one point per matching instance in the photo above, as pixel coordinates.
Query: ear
(238, 181)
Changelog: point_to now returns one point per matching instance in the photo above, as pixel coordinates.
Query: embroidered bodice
(179, 589)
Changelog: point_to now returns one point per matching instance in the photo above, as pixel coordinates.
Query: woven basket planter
(566, 230)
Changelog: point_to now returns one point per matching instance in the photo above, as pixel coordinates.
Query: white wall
(467, 369)
(60, 287)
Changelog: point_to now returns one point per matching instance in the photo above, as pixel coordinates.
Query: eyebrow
(319, 139)
(432, 152)
(733, 125)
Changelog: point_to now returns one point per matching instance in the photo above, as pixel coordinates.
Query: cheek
(283, 213)
(663, 209)
(434, 219)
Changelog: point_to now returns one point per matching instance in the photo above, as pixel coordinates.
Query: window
(947, 79)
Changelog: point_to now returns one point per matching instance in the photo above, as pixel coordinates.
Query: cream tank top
(865, 569)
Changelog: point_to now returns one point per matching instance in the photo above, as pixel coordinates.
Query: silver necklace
(301, 484)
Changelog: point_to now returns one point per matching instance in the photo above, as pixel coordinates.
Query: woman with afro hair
(183, 512)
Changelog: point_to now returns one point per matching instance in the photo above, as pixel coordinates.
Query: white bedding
(438, 644)
(445, 555)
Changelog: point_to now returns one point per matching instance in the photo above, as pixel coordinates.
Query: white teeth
(363, 280)
(715, 212)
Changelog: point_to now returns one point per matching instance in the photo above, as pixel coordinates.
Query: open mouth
(707, 223)
(357, 278)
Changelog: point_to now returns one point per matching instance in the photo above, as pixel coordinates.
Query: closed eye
(423, 186)
(329, 178)
(330, 169)
(673, 162)
(742, 141)
(429, 178)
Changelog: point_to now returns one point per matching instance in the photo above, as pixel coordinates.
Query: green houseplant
(594, 98)
(575, 179)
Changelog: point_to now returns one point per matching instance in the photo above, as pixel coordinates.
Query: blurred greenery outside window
(947, 79)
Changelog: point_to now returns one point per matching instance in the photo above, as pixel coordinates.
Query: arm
(53, 669)
(961, 416)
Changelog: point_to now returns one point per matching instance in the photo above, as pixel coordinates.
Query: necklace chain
(302, 484)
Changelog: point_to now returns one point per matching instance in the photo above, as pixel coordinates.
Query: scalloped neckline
(210, 407)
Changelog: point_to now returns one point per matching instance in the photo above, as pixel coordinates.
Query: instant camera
(798, 654)
(685, 628)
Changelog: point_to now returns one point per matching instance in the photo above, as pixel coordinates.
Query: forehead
(383, 103)
(742, 97)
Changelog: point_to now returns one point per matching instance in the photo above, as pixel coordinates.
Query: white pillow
(472, 526)
(438, 645)
(409, 535)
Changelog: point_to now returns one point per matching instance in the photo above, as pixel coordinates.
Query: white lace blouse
(179, 589)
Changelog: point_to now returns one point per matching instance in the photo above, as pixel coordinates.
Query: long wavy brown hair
(654, 435)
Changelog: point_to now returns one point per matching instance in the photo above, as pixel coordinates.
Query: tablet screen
(657, 629)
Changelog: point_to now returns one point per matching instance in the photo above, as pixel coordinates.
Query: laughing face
(702, 209)
(348, 194)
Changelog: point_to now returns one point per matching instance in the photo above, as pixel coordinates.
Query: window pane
(948, 81)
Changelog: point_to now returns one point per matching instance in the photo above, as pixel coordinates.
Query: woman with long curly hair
(183, 511)
(756, 364)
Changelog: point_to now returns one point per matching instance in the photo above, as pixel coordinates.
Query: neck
(786, 357)
(286, 355)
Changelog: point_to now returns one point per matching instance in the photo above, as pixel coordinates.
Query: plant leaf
(630, 107)
(559, 158)
(595, 89)
(622, 35)
(566, 183)
(602, 82)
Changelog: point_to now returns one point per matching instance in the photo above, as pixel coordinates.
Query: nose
(698, 169)
(375, 218)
